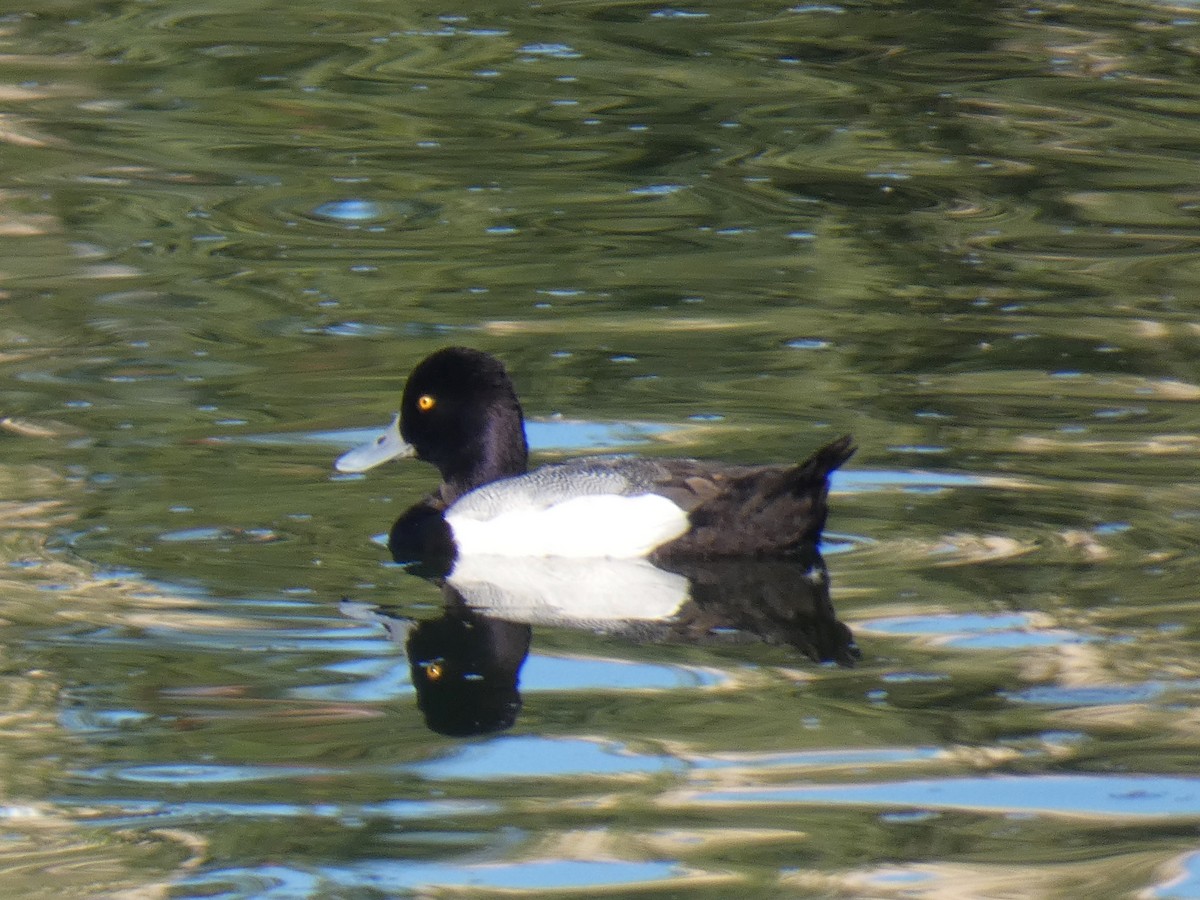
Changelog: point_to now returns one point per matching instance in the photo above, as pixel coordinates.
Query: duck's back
(764, 511)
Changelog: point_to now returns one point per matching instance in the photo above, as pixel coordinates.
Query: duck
(459, 411)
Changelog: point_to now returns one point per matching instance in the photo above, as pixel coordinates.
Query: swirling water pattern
(965, 233)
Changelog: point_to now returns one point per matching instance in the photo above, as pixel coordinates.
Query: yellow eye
(433, 671)
(426, 402)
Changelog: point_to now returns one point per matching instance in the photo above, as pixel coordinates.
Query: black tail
(808, 485)
(828, 458)
(810, 478)
(766, 510)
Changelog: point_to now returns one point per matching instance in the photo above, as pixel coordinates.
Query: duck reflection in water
(465, 665)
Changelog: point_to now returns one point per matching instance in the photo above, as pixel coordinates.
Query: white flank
(596, 526)
(582, 592)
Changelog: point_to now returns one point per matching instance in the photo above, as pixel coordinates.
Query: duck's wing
(688, 483)
(549, 486)
(754, 510)
(693, 483)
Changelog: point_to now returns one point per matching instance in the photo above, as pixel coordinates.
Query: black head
(460, 412)
(466, 669)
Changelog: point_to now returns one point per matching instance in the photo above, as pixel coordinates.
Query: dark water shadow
(466, 663)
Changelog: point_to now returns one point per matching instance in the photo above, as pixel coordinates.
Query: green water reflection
(966, 233)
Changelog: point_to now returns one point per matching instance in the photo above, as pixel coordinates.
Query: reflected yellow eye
(433, 671)
(426, 402)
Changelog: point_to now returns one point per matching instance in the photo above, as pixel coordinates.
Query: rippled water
(965, 233)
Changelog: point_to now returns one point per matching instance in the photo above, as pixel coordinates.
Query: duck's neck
(499, 451)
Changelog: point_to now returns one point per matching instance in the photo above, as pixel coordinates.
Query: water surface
(965, 233)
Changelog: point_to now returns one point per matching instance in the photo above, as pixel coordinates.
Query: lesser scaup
(459, 411)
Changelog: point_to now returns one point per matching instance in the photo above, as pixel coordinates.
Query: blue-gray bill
(388, 445)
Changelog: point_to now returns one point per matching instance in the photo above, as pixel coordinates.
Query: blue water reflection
(1124, 796)
(556, 673)
(543, 436)
(387, 677)
(277, 882)
(1185, 885)
(537, 757)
